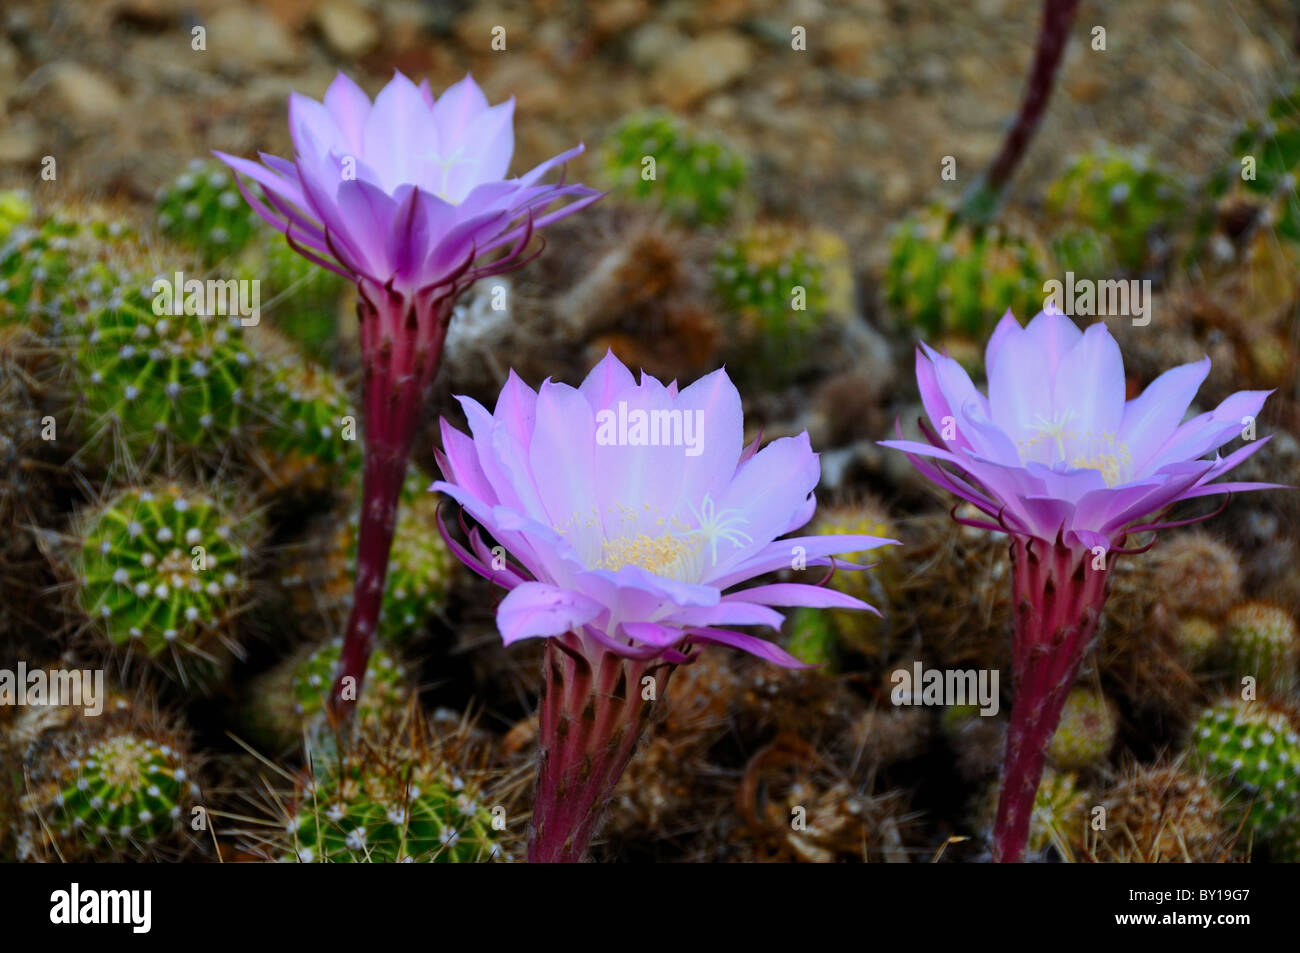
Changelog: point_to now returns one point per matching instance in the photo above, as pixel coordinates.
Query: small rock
(703, 66)
(850, 44)
(20, 141)
(347, 30)
(247, 37)
(653, 43)
(614, 16)
(78, 93)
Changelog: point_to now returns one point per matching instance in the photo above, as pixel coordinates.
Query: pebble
(347, 30)
(700, 67)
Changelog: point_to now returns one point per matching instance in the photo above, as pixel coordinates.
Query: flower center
(665, 546)
(671, 555)
(446, 163)
(1055, 441)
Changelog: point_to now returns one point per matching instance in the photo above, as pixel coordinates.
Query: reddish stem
(593, 712)
(985, 197)
(1058, 601)
(401, 341)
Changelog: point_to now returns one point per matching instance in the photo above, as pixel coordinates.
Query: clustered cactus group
(210, 490)
(162, 461)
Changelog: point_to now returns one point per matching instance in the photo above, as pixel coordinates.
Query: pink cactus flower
(627, 549)
(406, 196)
(1060, 461)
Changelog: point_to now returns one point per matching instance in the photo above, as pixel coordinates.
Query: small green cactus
(53, 270)
(784, 289)
(155, 384)
(947, 277)
(812, 638)
(307, 431)
(1086, 732)
(391, 797)
(1120, 199)
(292, 695)
(1252, 751)
(1261, 641)
(1058, 817)
(1263, 165)
(163, 572)
(858, 630)
(203, 210)
(300, 298)
(111, 787)
(123, 792)
(421, 570)
(1197, 639)
(655, 156)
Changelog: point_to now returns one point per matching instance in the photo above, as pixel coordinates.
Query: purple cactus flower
(1060, 461)
(627, 515)
(406, 196)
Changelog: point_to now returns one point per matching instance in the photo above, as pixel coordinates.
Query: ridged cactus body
(1123, 198)
(786, 291)
(1261, 641)
(306, 430)
(291, 696)
(946, 277)
(1252, 751)
(394, 795)
(151, 382)
(162, 572)
(203, 210)
(695, 178)
(1086, 733)
(120, 785)
(301, 299)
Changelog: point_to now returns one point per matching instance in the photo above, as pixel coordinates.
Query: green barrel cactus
(1261, 641)
(421, 570)
(53, 270)
(1059, 813)
(292, 696)
(203, 210)
(858, 631)
(656, 157)
(391, 797)
(1197, 639)
(155, 384)
(785, 291)
(1252, 752)
(307, 431)
(945, 277)
(114, 786)
(812, 638)
(163, 572)
(120, 797)
(1263, 165)
(301, 299)
(1113, 203)
(1087, 731)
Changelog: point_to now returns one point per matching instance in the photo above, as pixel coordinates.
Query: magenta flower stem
(1058, 599)
(406, 336)
(591, 717)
